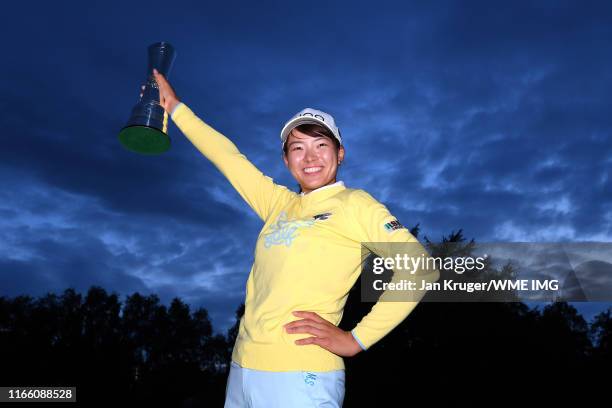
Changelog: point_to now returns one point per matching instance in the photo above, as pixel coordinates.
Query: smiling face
(312, 159)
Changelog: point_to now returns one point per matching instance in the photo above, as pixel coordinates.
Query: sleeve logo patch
(393, 225)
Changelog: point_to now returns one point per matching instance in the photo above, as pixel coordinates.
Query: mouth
(313, 170)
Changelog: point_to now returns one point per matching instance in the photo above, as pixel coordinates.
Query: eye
(322, 144)
(296, 148)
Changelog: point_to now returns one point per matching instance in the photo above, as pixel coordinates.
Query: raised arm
(258, 190)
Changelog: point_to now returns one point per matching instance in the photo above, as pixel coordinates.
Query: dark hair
(314, 130)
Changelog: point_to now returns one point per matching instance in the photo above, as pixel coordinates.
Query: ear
(285, 159)
(341, 154)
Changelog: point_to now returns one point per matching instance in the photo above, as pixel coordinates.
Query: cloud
(491, 118)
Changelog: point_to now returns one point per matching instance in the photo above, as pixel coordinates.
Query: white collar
(337, 183)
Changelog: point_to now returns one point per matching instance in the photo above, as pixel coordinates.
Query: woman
(288, 352)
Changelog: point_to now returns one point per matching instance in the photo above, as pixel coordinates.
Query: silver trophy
(146, 131)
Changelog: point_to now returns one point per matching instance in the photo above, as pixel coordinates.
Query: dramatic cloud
(487, 117)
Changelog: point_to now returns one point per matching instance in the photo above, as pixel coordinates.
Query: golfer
(289, 351)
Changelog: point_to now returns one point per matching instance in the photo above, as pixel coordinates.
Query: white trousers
(248, 388)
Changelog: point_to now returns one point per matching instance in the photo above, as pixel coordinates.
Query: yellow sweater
(307, 257)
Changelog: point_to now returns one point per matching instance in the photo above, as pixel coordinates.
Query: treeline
(140, 351)
(487, 352)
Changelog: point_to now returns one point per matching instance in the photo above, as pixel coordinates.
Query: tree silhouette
(467, 351)
(143, 352)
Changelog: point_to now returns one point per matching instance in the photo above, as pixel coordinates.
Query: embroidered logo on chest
(284, 231)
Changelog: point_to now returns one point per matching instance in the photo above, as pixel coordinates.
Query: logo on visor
(317, 116)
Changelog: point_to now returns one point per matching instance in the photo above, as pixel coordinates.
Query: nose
(311, 155)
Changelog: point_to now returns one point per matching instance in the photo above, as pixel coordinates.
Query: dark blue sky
(490, 117)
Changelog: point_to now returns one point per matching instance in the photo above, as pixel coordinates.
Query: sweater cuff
(175, 109)
(358, 341)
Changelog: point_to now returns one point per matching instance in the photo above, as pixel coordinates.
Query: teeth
(312, 169)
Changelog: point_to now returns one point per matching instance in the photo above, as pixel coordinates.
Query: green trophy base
(144, 140)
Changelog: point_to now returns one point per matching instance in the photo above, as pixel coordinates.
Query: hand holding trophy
(147, 129)
(167, 97)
